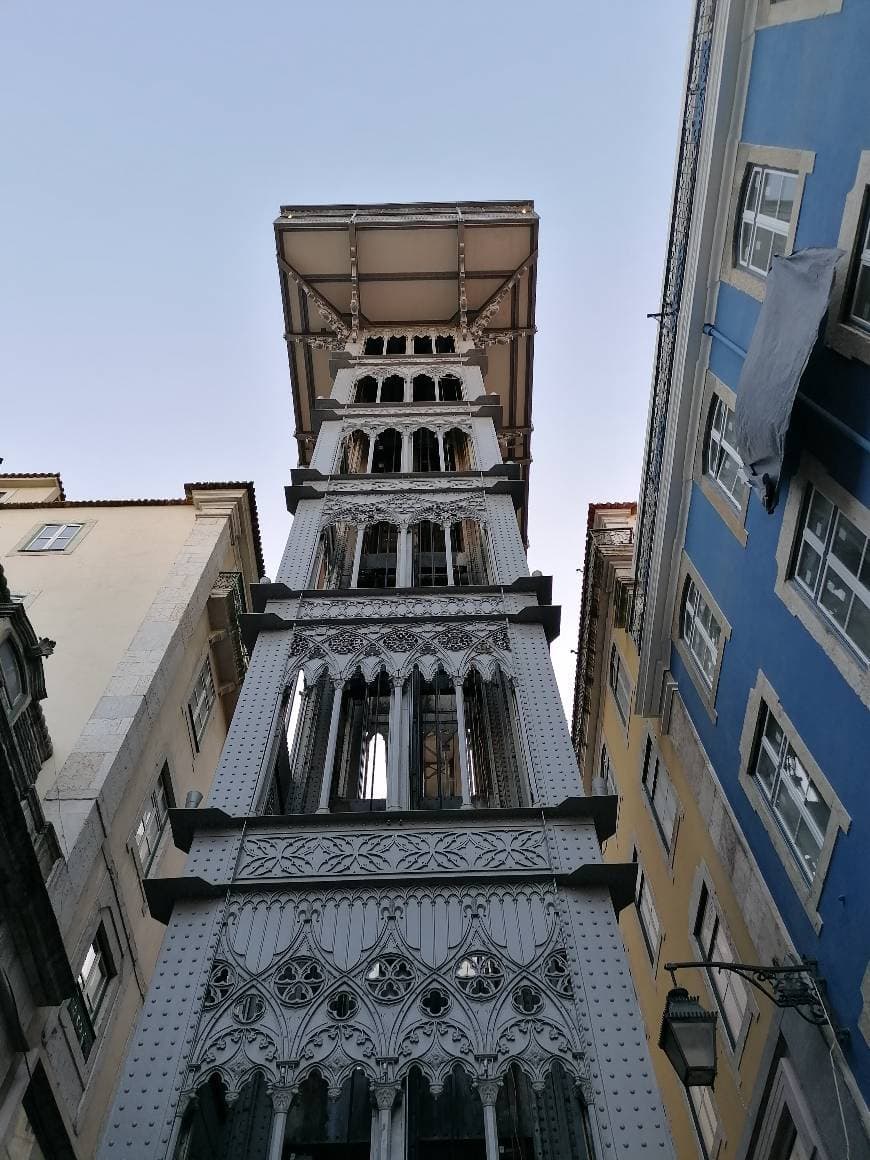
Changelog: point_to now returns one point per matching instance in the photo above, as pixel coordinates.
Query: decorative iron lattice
(672, 300)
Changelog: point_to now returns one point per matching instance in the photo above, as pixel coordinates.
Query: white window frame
(755, 219)
(829, 561)
(620, 684)
(748, 157)
(701, 1103)
(146, 838)
(846, 335)
(58, 541)
(809, 892)
(786, 1098)
(657, 790)
(605, 769)
(823, 629)
(95, 1004)
(772, 12)
(697, 639)
(783, 759)
(862, 262)
(706, 687)
(201, 702)
(732, 508)
(713, 943)
(643, 897)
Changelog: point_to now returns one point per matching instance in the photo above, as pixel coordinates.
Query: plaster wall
(789, 64)
(90, 599)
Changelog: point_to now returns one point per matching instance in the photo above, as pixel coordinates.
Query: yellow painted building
(141, 601)
(699, 894)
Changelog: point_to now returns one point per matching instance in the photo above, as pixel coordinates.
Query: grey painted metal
(258, 975)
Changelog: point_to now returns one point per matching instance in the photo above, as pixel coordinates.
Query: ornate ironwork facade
(394, 935)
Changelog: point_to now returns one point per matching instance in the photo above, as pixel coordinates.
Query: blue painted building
(761, 619)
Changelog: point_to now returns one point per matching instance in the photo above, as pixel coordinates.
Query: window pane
(766, 769)
(752, 191)
(859, 626)
(848, 544)
(770, 194)
(787, 196)
(835, 597)
(808, 566)
(745, 242)
(819, 518)
(761, 249)
(10, 673)
(861, 298)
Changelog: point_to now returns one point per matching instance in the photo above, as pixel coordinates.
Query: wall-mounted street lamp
(688, 1034)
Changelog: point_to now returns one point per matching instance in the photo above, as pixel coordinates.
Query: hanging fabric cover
(798, 292)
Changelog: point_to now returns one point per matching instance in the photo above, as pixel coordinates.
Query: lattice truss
(385, 980)
(399, 649)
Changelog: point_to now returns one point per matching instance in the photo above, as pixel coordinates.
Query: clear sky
(146, 149)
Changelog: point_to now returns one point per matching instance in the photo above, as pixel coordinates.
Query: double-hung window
(765, 217)
(833, 568)
(606, 771)
(660, 794)
(619, 684)
(700, 631)
(706, 1118)
(722, 463)
(650, 924)
(791, 795)
(53, 538)
(94, 975)
(152, 821)
(859, 302)
(714, 944)
(200, 703)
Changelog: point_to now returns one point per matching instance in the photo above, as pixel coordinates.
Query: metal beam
(324, 309)
(490, 307)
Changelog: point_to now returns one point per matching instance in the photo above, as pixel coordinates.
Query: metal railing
(672, 299)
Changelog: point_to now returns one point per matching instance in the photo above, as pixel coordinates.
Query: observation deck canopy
(465, 267)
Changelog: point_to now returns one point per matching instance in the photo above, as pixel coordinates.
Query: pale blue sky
(147, 147)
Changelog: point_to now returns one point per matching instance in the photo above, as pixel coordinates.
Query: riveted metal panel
(298, 558)
(553, 762)
(504, 535)
(241, 766)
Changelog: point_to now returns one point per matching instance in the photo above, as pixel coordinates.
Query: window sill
(848, 340)
(733, 519)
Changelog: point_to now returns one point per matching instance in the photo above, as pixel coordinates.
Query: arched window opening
(387, 453)
(424, 389)
(457, 451)
(354, 459)
(396, 344)
(449, 1124)
(450, 389)
(307, 719)
(360, 772)
(12, 686)
(393, 389)
(422, 344)
(428, 555)
(374, 346)
(366, 390)
(496, 774)
(425, 450)
(435, 744)
(444, 344)
(319, 1126)
(379, 556)
(333, 564)
(216, 1129)
(469, 550)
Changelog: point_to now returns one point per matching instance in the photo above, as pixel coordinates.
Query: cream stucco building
(142, 599)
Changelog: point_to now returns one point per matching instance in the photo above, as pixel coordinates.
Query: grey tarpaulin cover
(798, 291)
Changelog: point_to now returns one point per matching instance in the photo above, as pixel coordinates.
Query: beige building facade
(143, 602)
